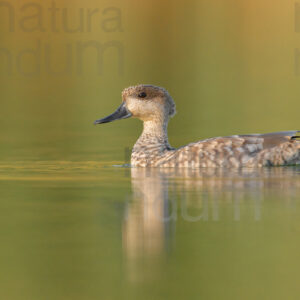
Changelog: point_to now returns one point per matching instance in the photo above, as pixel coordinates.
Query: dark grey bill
(121, 113)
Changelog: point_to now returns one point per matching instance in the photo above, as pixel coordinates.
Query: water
(84, 230)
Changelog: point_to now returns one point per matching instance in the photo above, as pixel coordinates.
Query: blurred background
(72, 225)
(231, 66)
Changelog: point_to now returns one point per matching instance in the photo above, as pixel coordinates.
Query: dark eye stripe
(142, 95)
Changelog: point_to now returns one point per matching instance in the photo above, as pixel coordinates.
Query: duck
(154, 106)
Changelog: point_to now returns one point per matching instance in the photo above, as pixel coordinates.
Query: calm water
(85, 230)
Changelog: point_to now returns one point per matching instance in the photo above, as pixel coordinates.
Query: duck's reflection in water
(163, 196)
(146, 216)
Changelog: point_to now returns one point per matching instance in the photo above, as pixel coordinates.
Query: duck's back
(255, 150)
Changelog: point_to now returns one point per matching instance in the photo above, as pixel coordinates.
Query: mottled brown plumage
(154, 106)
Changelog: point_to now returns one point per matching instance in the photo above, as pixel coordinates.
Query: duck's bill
(121, 113)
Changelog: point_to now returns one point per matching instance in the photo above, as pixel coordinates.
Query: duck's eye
(142, 95)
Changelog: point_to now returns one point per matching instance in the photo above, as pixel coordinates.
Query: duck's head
(145, 102)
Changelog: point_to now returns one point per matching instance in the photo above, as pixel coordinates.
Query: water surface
(85, 230)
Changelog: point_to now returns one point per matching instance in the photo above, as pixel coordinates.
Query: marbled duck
(154, 106)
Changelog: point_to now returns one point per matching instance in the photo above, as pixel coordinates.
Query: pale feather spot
(211, 157)
(229, 150)
(245, 159)
(210, 164)
(240, 149)
(252, 147)
(234, 161)
(220, 162)
(228, 143)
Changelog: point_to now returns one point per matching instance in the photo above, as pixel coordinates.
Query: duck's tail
(296, 135)
(296, 138)
(282, 148)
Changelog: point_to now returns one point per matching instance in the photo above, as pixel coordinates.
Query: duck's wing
(272, 139)
(251, 150)
(269, 149)
(248, 150)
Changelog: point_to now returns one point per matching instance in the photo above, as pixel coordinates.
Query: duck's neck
(154, 137)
